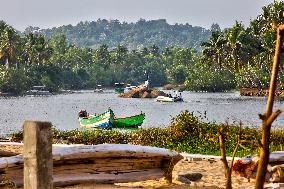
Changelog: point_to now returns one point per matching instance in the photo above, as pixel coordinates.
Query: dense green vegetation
(131, 35)
(186, 133)
(68, 58)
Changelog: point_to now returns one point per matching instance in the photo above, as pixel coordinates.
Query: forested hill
(132, 35)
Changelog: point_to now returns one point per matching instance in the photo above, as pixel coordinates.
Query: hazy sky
(50, 13)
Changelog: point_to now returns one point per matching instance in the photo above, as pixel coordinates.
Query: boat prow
(103, 120)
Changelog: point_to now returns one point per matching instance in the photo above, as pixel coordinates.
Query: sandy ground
(211, 169)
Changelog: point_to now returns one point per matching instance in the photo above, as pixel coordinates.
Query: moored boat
(98, 89)
(129, 87)
(38, 90)
(169, 99)
(107, 120)
(103, 120)
(119, 87)
(129, 122)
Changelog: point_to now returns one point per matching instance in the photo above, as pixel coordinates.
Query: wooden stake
(37, 155)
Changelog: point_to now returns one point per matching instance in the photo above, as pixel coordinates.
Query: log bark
(37, 155)
(104, 163)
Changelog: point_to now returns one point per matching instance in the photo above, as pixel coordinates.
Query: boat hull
(168, 99)
(103, 120)
(164, 99)
(129, 122)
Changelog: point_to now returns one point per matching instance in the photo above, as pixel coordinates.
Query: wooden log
(4, 153)
(37, 155)
(114, 166)
(277, 173)
(105, 163)
(103, 178)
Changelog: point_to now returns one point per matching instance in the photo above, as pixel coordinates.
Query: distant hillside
(132, 35)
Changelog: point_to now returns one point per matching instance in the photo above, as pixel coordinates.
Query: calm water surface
(62, 110)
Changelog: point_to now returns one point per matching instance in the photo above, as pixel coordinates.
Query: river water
(62, 110)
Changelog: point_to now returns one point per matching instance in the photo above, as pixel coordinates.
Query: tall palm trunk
(235, 60)
(219, 58)
(7, 64)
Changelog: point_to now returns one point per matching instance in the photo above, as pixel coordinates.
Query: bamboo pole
(269, 116)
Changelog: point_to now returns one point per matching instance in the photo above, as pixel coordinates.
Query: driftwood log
(105, 163)
(247, 167)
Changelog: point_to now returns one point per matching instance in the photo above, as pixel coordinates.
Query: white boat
(169, 98)
(38, 90)
(129, 88)
(98, 89)
(164, 99)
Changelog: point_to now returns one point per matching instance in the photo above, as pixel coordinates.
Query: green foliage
(210, 78)
(45, 74)
(253, 76)
(132, 35)
(178, 74)
(93, 136)
(104, 52)
(13, 81)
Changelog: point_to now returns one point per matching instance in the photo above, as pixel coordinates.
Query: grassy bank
(186, 133)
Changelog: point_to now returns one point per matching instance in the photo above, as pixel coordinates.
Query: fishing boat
(107, 120)
(99, 89)
(169, 98)
(103, 120)
(129, 122)
(119, 87)
(38, 90)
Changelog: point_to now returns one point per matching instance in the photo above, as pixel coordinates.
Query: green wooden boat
(106, 120)
(103, 120)
(128, 122)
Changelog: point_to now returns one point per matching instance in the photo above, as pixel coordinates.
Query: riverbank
(259, 92)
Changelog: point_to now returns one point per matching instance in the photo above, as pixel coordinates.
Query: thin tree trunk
(269, 116)
(228, 170)
(229, 179)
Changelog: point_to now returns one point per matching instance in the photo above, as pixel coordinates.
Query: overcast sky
(50, 13)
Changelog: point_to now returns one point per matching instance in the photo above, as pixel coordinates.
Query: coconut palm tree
(9, 40)
(214, 48)
(37, 49)
(233, 37)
